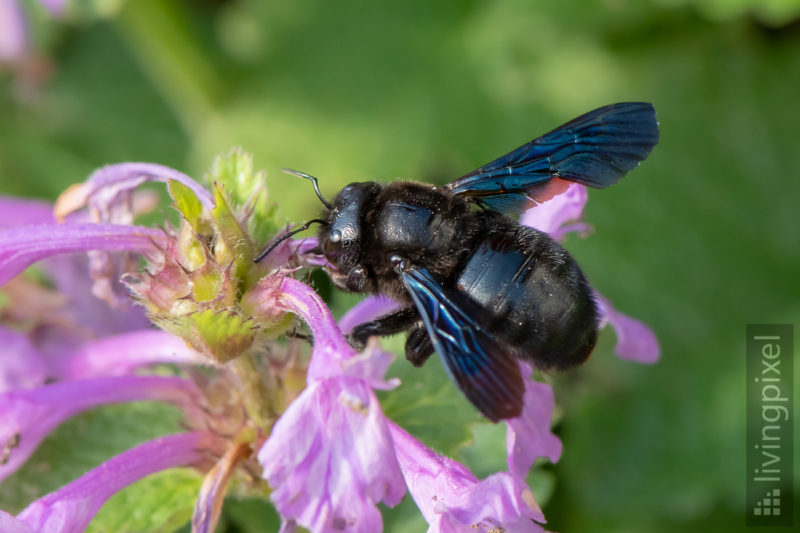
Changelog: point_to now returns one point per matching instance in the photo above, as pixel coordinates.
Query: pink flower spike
(452, 499)
(108, 190)
(635, 340)
(29, 415)
(122, 354)
(72, 507)
(21, 366)
(552, 215)
(21, 247)
(367, 309)
(528, 436)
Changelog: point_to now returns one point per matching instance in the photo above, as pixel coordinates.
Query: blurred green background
(698, 241)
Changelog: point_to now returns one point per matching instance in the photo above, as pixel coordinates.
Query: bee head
(342, 237)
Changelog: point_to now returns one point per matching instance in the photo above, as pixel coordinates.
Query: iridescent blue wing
(487, 375)
(595, 149)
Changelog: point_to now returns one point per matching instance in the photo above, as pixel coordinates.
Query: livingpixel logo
(770, 420)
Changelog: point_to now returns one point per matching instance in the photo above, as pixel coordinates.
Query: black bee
(474, 285)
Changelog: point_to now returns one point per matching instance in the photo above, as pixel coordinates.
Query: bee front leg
(418, 345)
(394, 322)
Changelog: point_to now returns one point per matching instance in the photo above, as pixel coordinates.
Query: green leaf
(158, 503)
(404, 517)
(428, 404)
(249, 515)
(83, 443)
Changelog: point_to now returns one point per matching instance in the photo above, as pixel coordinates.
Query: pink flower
(316, 429)
(21, 366)
(528, 436)
(63, 339)
(453, 500)
(635, 341)
(330, 458)
(14, 34)
(13, 31)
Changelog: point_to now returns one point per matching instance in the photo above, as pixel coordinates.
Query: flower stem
(256, 390)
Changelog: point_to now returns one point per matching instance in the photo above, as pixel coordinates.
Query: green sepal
(207, 287)
(221, 335)
(247, 190)
(188, 204)
(233, 245)
(273, 330)
(192, 252)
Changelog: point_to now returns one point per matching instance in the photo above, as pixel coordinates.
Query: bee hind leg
(418, 345)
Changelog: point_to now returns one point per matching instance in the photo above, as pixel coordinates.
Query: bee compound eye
(335, 236)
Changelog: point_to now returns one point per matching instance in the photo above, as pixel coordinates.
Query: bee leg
(418, 345)
(394, 322)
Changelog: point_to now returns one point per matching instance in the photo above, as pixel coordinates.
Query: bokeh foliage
(699, 241)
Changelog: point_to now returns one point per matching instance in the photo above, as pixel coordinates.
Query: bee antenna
(313, 180)
(285, 236)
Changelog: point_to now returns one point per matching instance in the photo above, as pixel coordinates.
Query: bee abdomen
(538, 302)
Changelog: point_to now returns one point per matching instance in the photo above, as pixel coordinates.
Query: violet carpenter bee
(473, 284)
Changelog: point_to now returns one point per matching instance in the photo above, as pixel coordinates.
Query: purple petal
(528, 436)
(21, 247)
(551, 215)
(302, 247)
(635, 340)
(329, 344)
(330, 459)
(70, 275)
(451, 498)
(13, 31)
(21, 366)
(15, 212)
(108, 190)
(72, 507)
(288, 526)
(9, 524)
(29, 415)
(367, 309)
(122, 354)
(332, 355)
